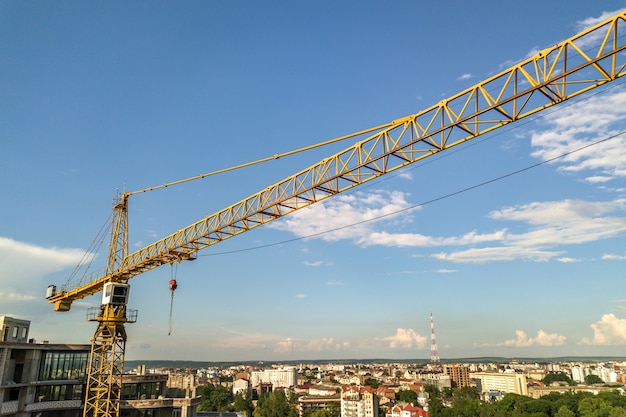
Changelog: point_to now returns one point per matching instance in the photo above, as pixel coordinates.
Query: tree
(320, 413)
(432, 390)
(465, 401)
(214, 398)
(243, 402)
(437, 409)
(275, 404)
(536, 406)
(557, 377)
(594, 407)
(564, 412)
(617, 412)
(371, 382)
(335, 409)
(593, 379)
(407, 396)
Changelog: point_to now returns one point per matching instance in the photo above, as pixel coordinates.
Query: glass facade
(59, 392)
(142, 390)
(61, 413)
(63, 365)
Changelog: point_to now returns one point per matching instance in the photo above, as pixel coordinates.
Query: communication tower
(435, 362)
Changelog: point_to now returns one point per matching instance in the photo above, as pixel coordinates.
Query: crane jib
(550, 77)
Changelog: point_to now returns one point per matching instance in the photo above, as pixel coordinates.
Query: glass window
(15, 330)
(63, 365)
(129, 392)
(58, 392)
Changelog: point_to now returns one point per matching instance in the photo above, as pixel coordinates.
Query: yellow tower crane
(581, 63)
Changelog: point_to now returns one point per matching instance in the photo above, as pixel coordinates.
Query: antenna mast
(435, 362)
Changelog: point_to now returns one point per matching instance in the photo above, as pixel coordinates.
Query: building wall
(29, 384)
(14, 330)
(45, 379)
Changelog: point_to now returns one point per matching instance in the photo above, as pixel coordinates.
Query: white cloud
(418, 240)
(329, 220)
(612, 257)
(24, 266)
(289, 345)
(405, 339)
(610, 330)
(552, 224)
(567, 260)
(465, 76)
(542, 339)
(582, 124)
(300, 295)
(497, 254)
(591, 21)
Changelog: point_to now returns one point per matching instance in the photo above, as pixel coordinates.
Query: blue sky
(100, 97)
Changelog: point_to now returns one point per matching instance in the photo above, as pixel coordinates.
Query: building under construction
(49, 380)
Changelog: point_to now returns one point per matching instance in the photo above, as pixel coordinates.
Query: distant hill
(189, 364)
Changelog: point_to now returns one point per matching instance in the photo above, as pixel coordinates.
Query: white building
(358, 402)
(504, 382)
(579, 373)
(439, 380)
(605, 374)
(240, 385)
(279, 378)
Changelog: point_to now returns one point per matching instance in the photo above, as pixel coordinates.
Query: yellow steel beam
(583, 62)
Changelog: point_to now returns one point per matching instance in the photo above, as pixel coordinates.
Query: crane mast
(575, 66)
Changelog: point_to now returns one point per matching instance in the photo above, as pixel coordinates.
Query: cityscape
(48, 379)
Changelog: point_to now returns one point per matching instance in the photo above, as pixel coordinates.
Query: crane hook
(172, 286)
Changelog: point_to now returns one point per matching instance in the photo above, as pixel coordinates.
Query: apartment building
(508, 382)
(285, 377)
(459, 375)
(437, 379)
(309, 404)
(358, 402)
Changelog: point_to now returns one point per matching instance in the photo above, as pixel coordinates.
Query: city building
(509, 382)
(48, 380)
(579, 373)
(311, 403)
(241, 385)
(406, 410)
(285, 377)
(459, 375)
(13, 330)
(358, 402)
(180, 381)
(439, 380)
